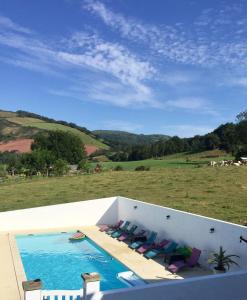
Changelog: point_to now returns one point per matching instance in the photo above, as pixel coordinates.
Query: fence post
(91, 284)
(32, 289)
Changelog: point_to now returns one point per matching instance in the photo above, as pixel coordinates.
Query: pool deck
(12, 273)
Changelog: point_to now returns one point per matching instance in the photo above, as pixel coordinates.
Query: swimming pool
(60, 263)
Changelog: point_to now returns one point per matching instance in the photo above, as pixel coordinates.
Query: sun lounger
(118, 232)
(150, 240)
(113, 229)
(128, 232)
(145, 247)
(166, 249)
(108, 227)
(126, 235)
(188, 262)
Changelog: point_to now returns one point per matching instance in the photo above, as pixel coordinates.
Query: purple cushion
(176, 266)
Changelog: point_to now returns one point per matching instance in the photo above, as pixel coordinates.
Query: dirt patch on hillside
(24, 146)
(20, 145)
(90, 149)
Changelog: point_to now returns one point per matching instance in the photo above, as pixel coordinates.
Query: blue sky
(177, 67)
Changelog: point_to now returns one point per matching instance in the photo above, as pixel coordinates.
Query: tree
(242, 116)
(228, 137)
(63, 145)
(37, 161)
(241, 130)
(212, 141)
(60, 167)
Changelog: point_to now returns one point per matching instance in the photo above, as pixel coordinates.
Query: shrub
(118, 168)
(142, 168)
(84, 166)
(3, 171)
(60, 167)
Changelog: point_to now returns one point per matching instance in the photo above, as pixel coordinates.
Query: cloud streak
(82, 52)
(187, 130)
(118, 76)
(203, 45)
(6, 23)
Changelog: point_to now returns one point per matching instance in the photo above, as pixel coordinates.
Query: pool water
(60, 263)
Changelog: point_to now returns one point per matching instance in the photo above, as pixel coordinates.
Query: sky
(177, 67)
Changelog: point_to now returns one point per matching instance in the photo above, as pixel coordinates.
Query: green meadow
(180, 160)
(190, 186)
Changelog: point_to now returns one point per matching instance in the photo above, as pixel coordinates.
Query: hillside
(126, 138)
(16, 126)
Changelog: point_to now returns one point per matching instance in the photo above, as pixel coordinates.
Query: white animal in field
(236, 164)
(213, 163)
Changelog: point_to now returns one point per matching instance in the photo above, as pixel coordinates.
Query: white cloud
(176, 78)
(106, 91)
(190, 104)
(205, 43)
(187, 103)
(110, 58)
(242, 81)
(6, 23)
(121, 125)
(187, 130)
(118, 76)
(81, 52)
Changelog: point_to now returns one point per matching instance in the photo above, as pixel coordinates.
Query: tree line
(231, 137)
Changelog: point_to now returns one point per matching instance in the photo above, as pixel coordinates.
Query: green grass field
(215, 192)
(180, 160)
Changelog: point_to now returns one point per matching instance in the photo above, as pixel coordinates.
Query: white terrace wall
(226, 287)
(186, 228)
(84, 213)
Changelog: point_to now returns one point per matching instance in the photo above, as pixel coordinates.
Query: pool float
(78, 236)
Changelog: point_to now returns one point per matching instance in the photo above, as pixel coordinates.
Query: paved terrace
(12, 273)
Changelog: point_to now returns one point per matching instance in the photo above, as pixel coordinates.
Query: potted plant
(222, 261)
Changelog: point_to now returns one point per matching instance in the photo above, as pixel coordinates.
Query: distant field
(214, 192)
(181, 160)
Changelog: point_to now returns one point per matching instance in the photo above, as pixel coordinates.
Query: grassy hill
(127, 138)
(13, 126)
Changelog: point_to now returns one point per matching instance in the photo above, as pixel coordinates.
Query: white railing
(61, 295)
(91, 284)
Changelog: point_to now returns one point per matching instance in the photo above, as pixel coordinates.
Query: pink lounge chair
(108, 227)
(147, 247)
(188, 262)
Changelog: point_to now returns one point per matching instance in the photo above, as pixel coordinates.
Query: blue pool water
(60, 263)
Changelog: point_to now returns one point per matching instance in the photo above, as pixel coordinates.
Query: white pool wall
(83, 213)
(186, 228)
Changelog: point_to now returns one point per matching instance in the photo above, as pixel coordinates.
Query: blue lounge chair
(168, 248)
(123, 235)
(150, 240)
(117, 233)
(121, 229)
